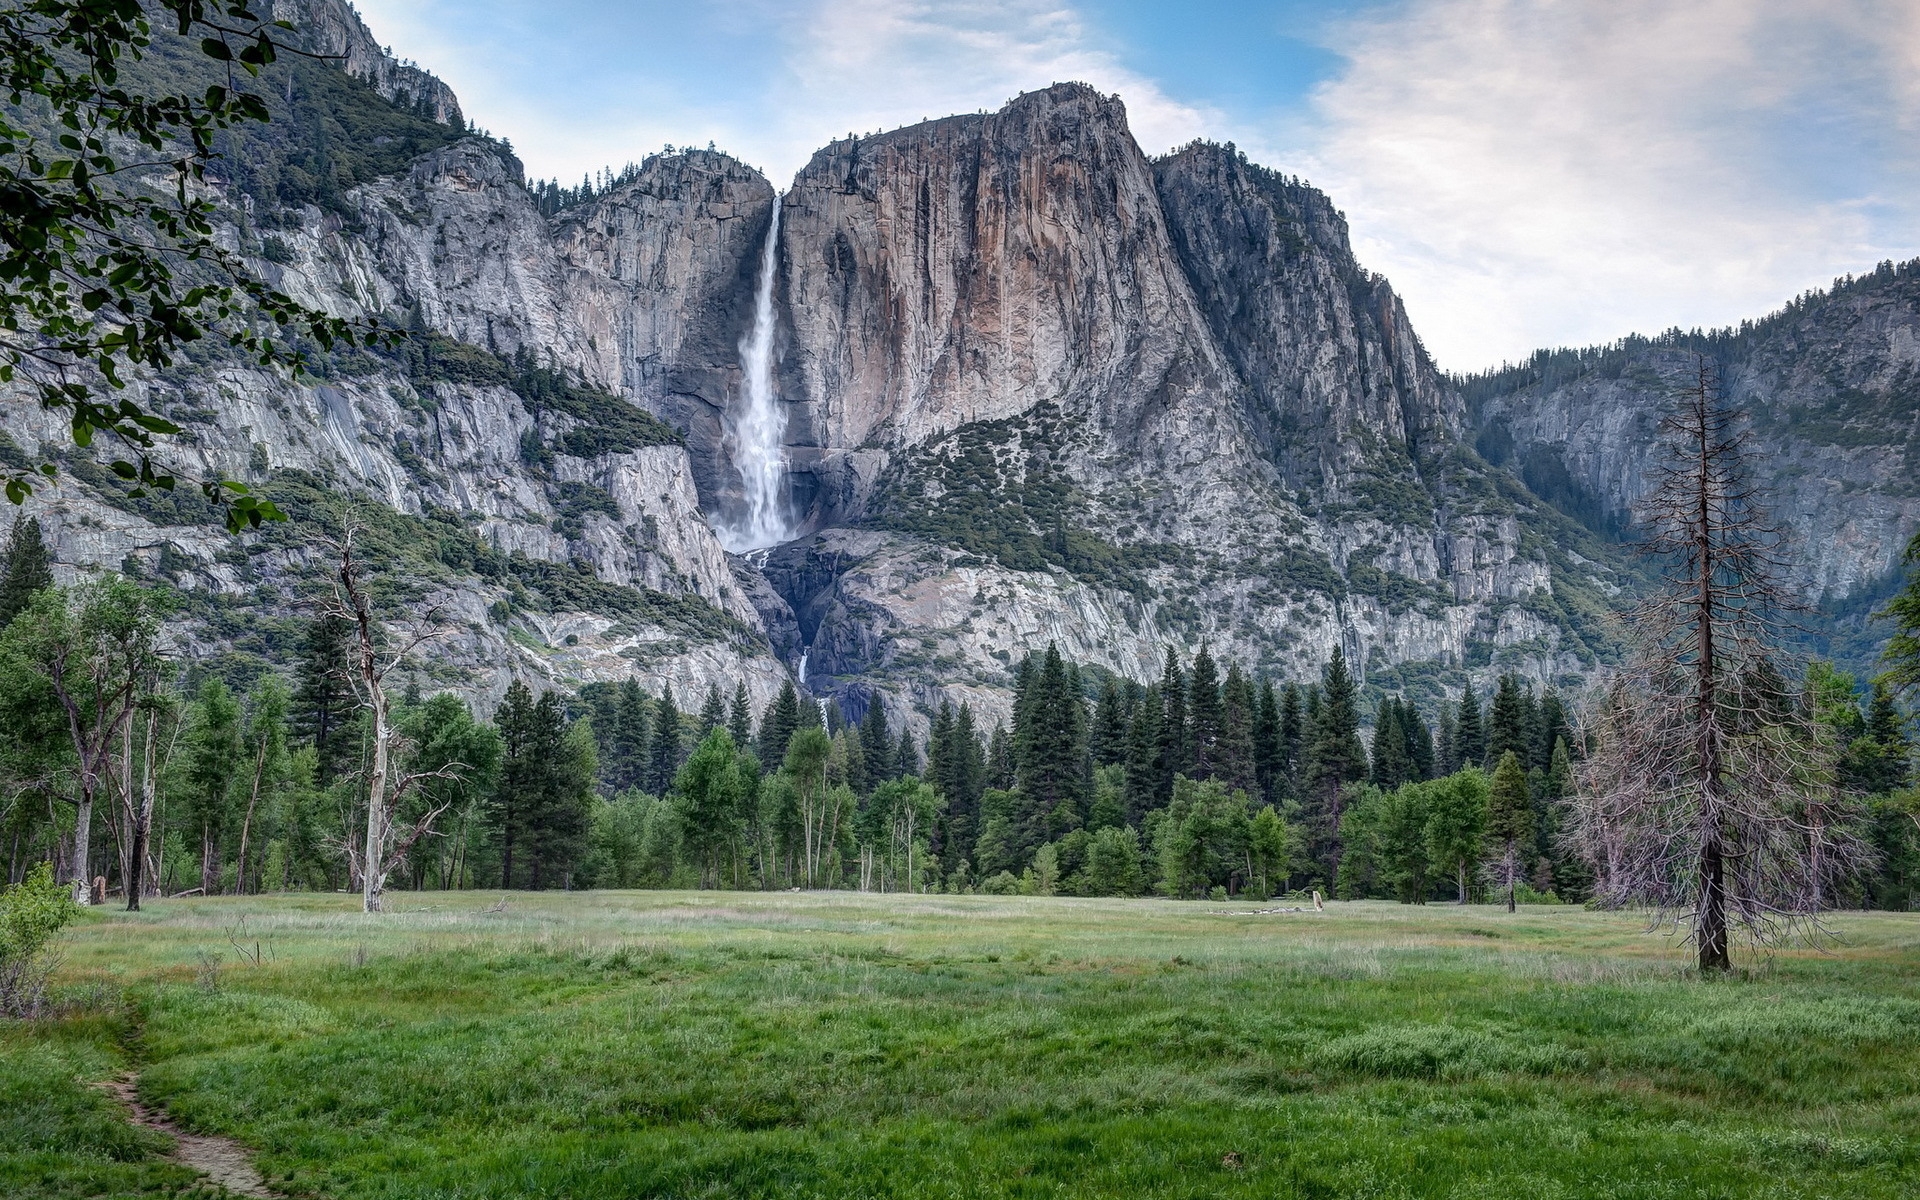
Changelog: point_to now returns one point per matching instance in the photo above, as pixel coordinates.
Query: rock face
(1832, 383)
(1039, 388)
(333, 28)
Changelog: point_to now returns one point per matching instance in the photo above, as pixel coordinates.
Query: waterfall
(759, 422)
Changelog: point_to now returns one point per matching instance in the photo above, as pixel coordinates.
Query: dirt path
(222, 1160)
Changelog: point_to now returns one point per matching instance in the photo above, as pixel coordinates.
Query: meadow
(626, 1044)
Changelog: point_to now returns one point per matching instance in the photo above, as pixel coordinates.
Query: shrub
(1003, 884)
(31, 913)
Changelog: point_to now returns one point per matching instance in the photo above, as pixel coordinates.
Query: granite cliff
(1038, 388)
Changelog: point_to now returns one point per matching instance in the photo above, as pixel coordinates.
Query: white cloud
(1536, 172)
(864, 65)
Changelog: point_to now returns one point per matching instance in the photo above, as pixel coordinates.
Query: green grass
(715, 1044)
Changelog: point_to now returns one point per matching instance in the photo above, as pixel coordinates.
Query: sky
(1527, 173)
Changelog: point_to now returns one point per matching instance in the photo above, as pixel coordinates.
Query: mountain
(1832, 385)
(1036, 386)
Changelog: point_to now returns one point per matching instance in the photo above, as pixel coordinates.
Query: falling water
(760, 423)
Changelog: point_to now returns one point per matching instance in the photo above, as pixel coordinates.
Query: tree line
(1205, 783)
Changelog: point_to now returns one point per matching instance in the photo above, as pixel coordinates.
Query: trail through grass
(703, 1044)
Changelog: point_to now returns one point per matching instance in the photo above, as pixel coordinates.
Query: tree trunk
(82, 836)
(1512, 873)
(1711, 928)
(1460, 878)
(246, 825)
(143, 822)
(374, 873)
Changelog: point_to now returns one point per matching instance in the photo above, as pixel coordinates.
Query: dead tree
(1702, 798)
(386, 842)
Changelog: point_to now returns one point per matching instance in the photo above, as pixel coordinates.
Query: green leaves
(91, 266)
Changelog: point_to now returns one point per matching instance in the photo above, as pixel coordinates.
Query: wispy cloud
(1532, 172)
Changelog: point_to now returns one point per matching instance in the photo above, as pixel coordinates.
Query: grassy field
(838, 1045)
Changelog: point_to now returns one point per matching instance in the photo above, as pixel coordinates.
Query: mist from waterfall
(760, 421)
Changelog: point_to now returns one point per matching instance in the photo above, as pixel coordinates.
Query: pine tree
(1266, 742)
(1204, 716)
(939, 746)
(906, 757)
(1446, 759)
(1000, 759)
(28, 568)
(1336, 757)
(1107, 742)
(1050, 744)
(1420, 755)
(556, 809)
(1236, 762)
(323, 700)
(877, 742)
(629, 741)
(1174, 745)
(1292, 735)
(522, 774)
(777, 725)
(1390, 764)
(1143, 759)
(968, 762)
(663, 758)
(713, 714)
(1507, 724)
(1510, 818)
(1469, 738)
(1550, 726)
(1886, 729)
(740, 718)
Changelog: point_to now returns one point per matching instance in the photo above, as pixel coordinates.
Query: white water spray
(760, 422)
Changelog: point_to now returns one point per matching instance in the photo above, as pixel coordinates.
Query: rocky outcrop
(1039, 389)
(1832, 384)
(333, 28)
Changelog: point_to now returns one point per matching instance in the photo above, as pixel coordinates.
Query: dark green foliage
(778, 723)
(663, 748)
(906, 756)
(1050, 739)
(111, 255)
(605, 423)
(1235, 760)
(876, 742)
(1391, 765)
(713, 713)
(993, 489)
(1335, 758)
(712, 790)
(1292, 744)
(25, 569)
(324, 702)
(213, 758)
(1203, 715)
(1266, 742)
(1510, 723)
(1902, 654)
(1107, 737)
(1510, 814)
(1175, 745)
(740, 718)
(540, 806)
(1469, 736)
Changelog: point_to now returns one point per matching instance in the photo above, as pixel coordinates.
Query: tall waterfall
(759, 421)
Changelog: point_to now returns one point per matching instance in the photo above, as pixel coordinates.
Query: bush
(1003, 884)
(31, 912)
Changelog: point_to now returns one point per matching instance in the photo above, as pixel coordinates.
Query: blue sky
(1526, 172)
